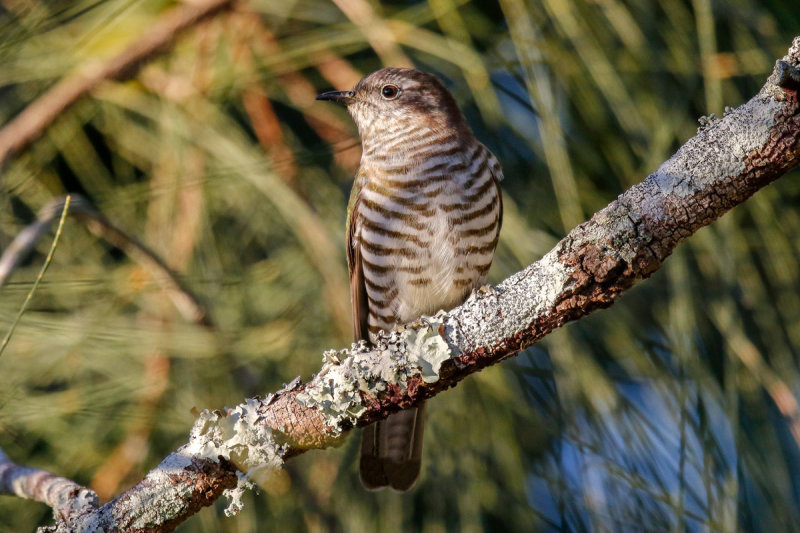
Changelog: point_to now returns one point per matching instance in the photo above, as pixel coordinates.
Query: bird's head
(393, 99)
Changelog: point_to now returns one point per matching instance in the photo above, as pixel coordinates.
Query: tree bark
(64, 496)
(724, 164)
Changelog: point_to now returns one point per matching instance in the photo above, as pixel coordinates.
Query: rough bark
(65, 497)
(724, 164)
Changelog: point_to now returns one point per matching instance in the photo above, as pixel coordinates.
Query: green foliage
(673, 410)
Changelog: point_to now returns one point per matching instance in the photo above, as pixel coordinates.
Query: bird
(423, 222)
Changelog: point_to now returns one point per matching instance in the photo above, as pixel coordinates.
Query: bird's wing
(497, 176)
(358, 289)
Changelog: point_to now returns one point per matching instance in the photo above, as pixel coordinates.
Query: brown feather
(358, 289)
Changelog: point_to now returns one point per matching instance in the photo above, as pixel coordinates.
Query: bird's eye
(390, 92)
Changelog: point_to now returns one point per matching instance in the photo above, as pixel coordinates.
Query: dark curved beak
(341, 97)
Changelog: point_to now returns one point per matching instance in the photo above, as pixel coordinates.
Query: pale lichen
(334, 391)
(235, 494)
(511, 307)
(347, 376)
(719, 150)
(427, 350)
(240, 437)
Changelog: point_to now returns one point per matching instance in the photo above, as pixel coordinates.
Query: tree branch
(29, 125)
(723, 165)
(188, 304)
(67, 498)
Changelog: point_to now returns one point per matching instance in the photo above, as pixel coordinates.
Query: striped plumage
(423, 223)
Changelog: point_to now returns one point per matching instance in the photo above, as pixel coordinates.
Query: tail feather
(391, 451)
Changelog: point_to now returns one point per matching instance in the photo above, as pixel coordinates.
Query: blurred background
(674, 410)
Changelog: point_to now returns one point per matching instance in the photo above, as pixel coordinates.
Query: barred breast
(427, 231)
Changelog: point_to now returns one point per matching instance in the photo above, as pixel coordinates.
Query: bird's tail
(391, 451)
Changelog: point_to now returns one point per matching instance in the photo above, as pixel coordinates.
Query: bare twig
(187, 303)
(46, 264)
(29, 125)
(719, 168)
(67, 498)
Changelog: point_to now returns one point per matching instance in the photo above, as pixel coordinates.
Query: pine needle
(46, 264)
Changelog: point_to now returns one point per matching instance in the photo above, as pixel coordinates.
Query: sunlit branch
(67, 498)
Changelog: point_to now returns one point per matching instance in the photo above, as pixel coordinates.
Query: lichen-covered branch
(34, 119)
(188, 304)
(724, 164)
(173, 491)
(64, 496)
